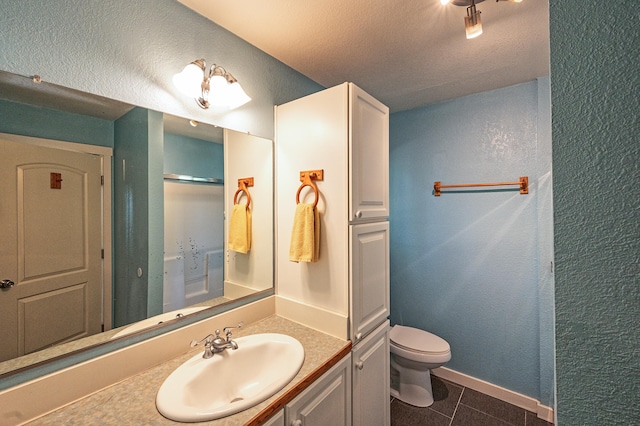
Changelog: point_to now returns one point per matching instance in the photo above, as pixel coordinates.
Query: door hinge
(102, 253)
(102, 180)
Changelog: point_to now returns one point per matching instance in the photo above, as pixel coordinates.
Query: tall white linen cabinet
(344, 132)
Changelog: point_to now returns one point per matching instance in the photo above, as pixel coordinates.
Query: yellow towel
(305, 236)
(240, 229)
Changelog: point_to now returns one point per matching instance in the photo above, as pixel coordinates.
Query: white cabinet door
(368, 157)
(370, 397)
(369, 266)
(326, 402)
(276, 420)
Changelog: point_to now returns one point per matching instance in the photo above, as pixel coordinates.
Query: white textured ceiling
(407, 53)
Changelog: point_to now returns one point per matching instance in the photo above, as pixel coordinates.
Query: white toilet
(414, 353)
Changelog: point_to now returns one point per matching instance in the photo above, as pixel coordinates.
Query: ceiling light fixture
(217, 88)
(472, 22)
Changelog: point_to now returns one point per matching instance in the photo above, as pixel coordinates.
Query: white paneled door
(50, 251)
(369, 257)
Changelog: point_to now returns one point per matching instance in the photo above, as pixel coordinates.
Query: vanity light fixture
(472, 22)
(217, 88)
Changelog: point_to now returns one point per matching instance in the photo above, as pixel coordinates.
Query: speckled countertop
(132, 401)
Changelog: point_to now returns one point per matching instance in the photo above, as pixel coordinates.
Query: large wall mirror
(151, 283)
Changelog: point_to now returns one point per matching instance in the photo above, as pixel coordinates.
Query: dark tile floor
(455, 405)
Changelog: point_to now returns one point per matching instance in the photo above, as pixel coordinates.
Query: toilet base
(411, 386)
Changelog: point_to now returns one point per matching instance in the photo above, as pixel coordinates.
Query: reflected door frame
(106, 155)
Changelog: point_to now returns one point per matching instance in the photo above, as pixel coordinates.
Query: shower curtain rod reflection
(193, 179)
(523, 183)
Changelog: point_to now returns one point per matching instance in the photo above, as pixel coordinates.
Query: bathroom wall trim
(506, 395)
(327, 322)
(17, 403)
(235, 291)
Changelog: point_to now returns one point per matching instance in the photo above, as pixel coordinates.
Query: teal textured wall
(38, 122)
(155, 164)
(193, 157)
(595, 86)
(466, 265)
(132, 241)
(129, 51)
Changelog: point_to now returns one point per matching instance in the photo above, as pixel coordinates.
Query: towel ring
(307, 181)
(242, 187)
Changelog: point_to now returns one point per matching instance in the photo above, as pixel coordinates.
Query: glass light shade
(236, 95)
(189, 80)
(473, 25)
(218, 91)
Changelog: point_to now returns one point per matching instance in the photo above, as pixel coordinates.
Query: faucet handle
(208, 346)
(226, 329)
(206, 340)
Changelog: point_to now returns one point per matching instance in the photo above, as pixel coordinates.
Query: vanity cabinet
(344, 132)
(326, 402)
(370, 380)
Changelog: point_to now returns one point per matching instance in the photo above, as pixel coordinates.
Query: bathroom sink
(232, 380)
(158, 319)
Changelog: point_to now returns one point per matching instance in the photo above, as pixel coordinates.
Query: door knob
(296, 423)
(359, 365)
(6, 284)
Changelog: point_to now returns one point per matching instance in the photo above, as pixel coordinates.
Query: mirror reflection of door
(50, 223)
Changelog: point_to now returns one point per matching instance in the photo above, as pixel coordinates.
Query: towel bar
(307, 178)
(523, 183)
(185, 178)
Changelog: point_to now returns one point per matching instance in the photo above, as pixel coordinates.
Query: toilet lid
(418, 340)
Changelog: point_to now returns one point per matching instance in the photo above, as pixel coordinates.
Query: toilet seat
(418, 341)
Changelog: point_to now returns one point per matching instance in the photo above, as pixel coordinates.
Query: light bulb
(189, 80)
(472, 22)
(218, 91)
(236, 95)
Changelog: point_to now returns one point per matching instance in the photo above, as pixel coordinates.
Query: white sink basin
(232, 380)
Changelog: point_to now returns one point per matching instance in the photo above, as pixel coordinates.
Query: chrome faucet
(208, 346)
(219, 344)
(214, 345)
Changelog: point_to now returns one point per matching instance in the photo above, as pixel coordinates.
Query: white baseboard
(235, 291)
(327, 322)
(514, 398)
